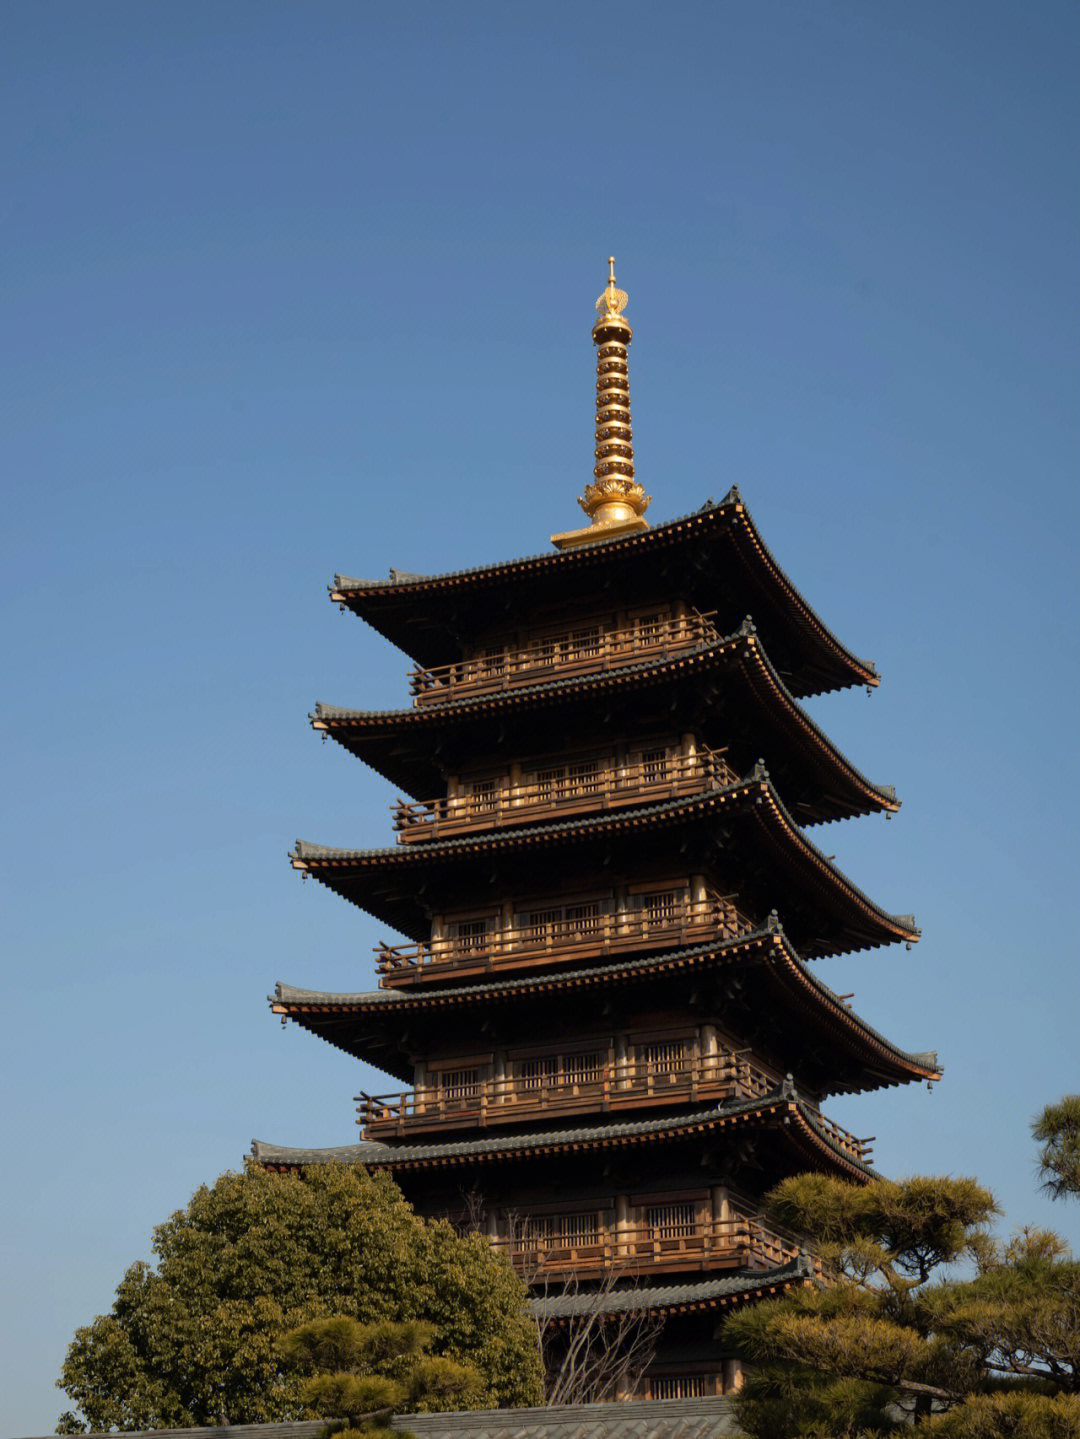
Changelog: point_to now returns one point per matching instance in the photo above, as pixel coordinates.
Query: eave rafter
(704, 545)
(366, 1025)
(663, 1300)
(782, 1113)
(397, 743)
(363, 876)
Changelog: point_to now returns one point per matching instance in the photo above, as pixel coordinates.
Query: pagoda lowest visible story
(607, 1037)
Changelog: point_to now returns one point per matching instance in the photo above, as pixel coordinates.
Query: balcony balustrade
(564, 940)
(566, 789)
(736, 1242)
(629, 1084)
(575, 652)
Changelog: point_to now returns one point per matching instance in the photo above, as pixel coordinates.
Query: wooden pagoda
(607, 1038)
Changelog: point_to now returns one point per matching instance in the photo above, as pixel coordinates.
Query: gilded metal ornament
(614, 502)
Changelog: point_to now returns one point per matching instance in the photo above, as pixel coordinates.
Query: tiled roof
(730, 507)
(428, 717)
(649, 1298)
(756, 786)
(286, 994)
(708, 1418)
(673, 1125)
(403, 579)
(421, 714)
(298, 1429)
(925, 1061)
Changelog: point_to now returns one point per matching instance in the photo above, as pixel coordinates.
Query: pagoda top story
(724, 567)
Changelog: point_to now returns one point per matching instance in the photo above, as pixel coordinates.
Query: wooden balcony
(563, 941)
(737, 1242)
(577, 652)
(570, 789)
(632, 1084)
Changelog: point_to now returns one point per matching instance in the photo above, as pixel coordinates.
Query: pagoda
(602, 1021)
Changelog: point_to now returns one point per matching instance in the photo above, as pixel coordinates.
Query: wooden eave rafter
(782, 1113)
(391, 607)
(391, 741)
(354, 874)
(356, 1025)
(764, 1286)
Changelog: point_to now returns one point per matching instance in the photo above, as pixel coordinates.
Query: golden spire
(614, 502)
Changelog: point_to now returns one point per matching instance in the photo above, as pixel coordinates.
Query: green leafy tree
(375, 1370)
(196, 1338)
(885, 1341)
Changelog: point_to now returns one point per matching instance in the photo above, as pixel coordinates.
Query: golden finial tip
(613, 301)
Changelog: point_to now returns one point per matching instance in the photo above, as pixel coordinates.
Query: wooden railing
(633, 1083)
(737, 1242)
(572, 789)
(860, 1149)
(563, 941)
(559, 656)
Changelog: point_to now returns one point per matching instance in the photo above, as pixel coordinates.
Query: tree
(364, 1372)
(602, 1341)
(884, 1342)
(1058, 1131)
(195, 1339)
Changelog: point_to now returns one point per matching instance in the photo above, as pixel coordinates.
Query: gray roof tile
(502, 839)
(646, 1297)
(369, 1152)
(709, 1418)
(922, 1059)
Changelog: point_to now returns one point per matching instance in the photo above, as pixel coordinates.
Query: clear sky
(298, 288)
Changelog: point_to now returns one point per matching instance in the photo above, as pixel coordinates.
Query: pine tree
(886, 1342)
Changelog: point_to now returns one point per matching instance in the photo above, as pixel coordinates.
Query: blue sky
(293, 289)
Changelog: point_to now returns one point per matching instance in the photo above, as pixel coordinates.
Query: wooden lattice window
(583, 777)
(660, 908)
(537, 1073)
(563, 1231)
(567, 781)
(493, 660)
(542, 924)
(677, 1386)
(546, 651)
(650, 630)
(473, 935)
(483, 796)
(670, 1221)
(583, 918)
(549, 783)
(665, 1057)
(585, 644)
(459, 1083)
(582, 1068)
(654, 766)
(571, 920)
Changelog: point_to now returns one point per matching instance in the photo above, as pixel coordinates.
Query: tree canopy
(1058, 1131)
(362, 1373)
(888, 1339)
(197, 1337)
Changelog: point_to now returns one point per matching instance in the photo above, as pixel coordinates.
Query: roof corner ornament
(614, 502)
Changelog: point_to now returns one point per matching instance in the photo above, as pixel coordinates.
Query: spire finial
(613, 301)
(614, 502)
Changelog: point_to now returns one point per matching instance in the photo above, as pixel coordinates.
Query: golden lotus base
(593, 533)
